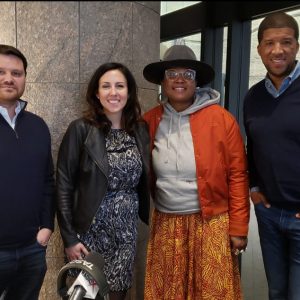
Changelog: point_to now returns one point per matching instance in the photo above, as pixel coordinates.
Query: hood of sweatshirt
(203, 97)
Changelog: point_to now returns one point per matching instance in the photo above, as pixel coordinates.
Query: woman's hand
(238, 244)
(76, 252)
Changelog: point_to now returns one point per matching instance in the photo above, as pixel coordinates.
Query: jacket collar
(95, 145)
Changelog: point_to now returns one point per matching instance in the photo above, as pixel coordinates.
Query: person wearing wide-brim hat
(179, 56)
(199, 186)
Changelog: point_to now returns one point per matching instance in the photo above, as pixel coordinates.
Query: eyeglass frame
(181, 73)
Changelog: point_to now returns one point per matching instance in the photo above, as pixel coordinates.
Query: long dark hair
(132, 111)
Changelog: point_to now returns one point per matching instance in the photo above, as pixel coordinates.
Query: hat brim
(154, 72)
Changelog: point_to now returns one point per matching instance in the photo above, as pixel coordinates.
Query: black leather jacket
(82, 177)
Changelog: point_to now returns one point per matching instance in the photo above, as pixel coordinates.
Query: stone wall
(64, 43)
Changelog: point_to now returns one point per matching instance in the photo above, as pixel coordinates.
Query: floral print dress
(113, 232)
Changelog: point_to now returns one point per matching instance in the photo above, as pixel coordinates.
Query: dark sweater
(26, 180)
(273, 143)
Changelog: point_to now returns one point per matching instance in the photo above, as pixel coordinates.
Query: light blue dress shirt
(4, 113)
(285, 83)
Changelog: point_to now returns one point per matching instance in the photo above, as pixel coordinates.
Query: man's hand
(43, 236)
(258, 197)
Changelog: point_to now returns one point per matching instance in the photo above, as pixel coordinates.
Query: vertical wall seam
(79, 46)
(132, 34)
(16, 24)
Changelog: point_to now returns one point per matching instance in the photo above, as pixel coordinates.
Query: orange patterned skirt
(190, 259)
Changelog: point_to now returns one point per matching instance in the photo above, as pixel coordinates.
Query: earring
(161, 99)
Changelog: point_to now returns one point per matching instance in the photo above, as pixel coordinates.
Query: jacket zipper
(15, 131)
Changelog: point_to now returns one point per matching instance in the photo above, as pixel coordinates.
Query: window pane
(192, 41)
(170, 6)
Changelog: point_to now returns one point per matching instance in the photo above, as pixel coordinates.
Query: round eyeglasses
(187, 75)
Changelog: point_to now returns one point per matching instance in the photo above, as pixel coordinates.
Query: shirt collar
(285, 83)
(4, 113)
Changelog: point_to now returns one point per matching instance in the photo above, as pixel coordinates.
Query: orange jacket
(221, 167)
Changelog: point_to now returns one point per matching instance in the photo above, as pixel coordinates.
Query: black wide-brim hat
(179, 56)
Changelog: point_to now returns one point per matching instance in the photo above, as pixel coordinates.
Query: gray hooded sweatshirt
(174, 159)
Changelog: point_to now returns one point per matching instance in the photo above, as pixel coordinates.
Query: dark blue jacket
(273, 143)
(26, 180)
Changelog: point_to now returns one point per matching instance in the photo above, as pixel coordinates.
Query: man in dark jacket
(26, 185)
(272, 109)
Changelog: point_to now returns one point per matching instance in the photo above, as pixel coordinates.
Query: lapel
(138, 139)
(142, 141)
(95, 146)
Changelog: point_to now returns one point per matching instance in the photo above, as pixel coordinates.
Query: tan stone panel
(58, 104)
(105, 35)
(55, 247)
(154, 5)
(48, 35)
(146, 38)
(148, 99)
(7, 23)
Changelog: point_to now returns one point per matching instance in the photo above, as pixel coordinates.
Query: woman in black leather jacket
(102, 176)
